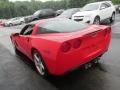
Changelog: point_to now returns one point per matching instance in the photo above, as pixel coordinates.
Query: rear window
(59, 26)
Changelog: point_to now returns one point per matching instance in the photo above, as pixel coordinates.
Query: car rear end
(82, 47)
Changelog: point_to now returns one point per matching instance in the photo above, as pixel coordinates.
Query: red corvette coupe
(59, 45)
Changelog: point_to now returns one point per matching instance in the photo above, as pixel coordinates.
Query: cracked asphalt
(18, 73)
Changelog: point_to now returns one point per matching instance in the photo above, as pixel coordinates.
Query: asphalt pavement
(18, 73)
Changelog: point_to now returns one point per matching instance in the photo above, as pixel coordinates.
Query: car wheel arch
(32, 49)
(113, 12)
(97, 16)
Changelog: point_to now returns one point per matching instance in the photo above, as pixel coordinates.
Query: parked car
(56, 46)
(68, 13)
(58, 12)
(44, 13)
(41, 14)
(15, 21)
(29, 18)
(117, 7)
(2, 22)
(94, 13)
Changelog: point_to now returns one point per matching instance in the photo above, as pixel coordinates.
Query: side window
(27, 30)
(105, 5)
(108, 4)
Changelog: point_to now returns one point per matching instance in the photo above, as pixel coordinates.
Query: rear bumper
(68, 61)
(66, 64)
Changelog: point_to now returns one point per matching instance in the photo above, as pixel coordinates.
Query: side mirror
(102, 8)
(16, 34)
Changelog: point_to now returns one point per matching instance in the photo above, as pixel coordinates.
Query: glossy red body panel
(94, 42)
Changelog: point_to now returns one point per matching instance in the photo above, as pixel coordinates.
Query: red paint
(62, 52)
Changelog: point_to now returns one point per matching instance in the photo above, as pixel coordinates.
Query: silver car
(15, 21)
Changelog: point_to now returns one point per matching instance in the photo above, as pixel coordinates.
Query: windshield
(37, 12)
(68, 13)
(60, 26)
(90, 7)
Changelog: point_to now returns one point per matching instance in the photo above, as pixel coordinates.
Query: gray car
(41, 14)
(68, 13)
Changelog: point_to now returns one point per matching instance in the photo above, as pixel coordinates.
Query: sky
(29, 0)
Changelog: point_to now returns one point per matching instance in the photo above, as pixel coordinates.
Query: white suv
(94, 13)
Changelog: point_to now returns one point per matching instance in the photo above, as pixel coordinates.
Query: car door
(17, 21)
(109, 9)
(23, 40)
(14, 21)
(104, 11)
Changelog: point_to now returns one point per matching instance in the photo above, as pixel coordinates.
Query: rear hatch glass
(60, 26)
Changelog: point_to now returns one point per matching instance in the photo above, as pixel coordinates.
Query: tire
(96, 20)
(112, 19)
(10, 24)
(39, 64)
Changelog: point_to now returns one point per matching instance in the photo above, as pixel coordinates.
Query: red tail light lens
(65, 47)
(77, 43)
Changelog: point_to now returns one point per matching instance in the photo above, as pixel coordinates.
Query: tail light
(65, 47)
(107, 31)
(77, 43)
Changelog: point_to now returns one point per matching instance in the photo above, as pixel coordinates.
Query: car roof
(100, 2)
(72, 9)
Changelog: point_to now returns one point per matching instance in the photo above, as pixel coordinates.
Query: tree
(15, 9)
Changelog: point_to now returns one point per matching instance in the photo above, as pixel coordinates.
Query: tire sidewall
(96, 18)
(10, 24)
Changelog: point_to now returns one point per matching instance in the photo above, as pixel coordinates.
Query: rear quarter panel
(48, 50)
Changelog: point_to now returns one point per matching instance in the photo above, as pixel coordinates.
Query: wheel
(96, 20)
(10, 24)
(112, 19)
(39, 64)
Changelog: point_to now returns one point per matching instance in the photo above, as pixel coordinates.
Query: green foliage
(15, 9)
